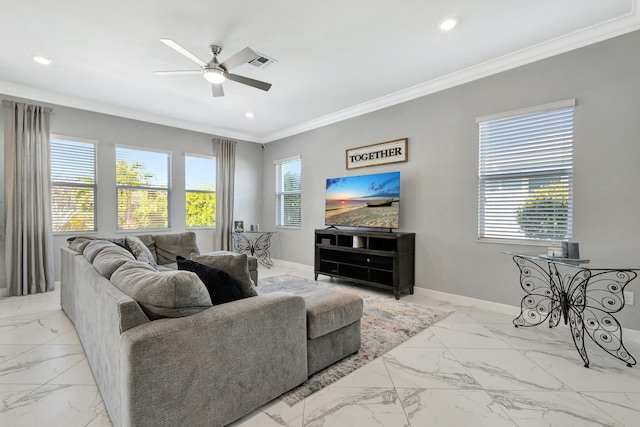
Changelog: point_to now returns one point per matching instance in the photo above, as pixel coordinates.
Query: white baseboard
(632, 334)
(468, 301)
(510, 310)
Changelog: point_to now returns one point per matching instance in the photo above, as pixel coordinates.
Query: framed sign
(378, 154)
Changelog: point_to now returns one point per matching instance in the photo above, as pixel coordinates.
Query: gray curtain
(27, 190)
(225, 170)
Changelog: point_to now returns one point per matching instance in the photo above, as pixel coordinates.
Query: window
(200, 186)
(73, 184)
(288, 192)
(143, 183)
(526, 174)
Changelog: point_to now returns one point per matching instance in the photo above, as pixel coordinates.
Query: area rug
(385, 323)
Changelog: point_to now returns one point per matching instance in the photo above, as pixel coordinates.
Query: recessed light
(42, 60)
(249, 115)
(448, 24)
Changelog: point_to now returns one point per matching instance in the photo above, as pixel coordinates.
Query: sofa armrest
(215, 366)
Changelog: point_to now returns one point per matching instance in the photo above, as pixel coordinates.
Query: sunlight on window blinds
(526, 176)
(73, 185)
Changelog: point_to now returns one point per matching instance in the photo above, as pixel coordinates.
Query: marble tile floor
(471, 369)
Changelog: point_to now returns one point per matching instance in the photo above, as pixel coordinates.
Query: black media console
(383, 260)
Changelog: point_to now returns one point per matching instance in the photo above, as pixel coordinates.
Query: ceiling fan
(214, 71)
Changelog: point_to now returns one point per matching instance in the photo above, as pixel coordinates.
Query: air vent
(262, 61)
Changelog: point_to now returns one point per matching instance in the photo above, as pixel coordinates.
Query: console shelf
(383, 260)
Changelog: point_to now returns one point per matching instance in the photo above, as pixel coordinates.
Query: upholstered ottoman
(333, 321)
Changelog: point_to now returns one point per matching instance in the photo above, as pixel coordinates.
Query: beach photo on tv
(363, 200)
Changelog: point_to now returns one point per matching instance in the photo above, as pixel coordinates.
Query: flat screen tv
(363, 201)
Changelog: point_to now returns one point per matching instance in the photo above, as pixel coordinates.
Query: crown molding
(615, 27)
(55, 98)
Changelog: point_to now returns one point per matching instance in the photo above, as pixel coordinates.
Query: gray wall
(439, 183)
(109, 131)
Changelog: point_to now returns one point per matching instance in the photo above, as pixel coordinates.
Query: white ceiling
(335, 58)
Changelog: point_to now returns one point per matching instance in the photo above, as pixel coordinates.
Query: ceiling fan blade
(175, 46)
(217, 90)
(175, 73)
(242, 57)
(250, 82)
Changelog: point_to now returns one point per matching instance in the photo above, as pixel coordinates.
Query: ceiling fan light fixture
(214, 75)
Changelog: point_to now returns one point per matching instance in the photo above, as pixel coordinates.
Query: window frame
(187, 190)
(280, 193)
(539, 176)
(168, 188)
(59, 184)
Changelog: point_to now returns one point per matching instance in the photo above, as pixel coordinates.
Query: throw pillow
(222, 288)
(235, 265)
(168, 246)
(140, 250)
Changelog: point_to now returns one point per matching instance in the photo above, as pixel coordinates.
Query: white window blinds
(73, 184)
(143, 183)
(526, 175)
(288, 192)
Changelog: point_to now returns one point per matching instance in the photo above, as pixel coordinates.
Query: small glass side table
(254, 243)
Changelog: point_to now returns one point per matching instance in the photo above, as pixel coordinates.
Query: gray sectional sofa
(197, 364)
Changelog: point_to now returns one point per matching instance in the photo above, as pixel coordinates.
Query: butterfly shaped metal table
(254, 243)
(586, 299)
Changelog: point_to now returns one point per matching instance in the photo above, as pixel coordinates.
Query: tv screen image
(363, 201)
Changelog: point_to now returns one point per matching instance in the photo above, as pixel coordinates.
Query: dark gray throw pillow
(222, 287)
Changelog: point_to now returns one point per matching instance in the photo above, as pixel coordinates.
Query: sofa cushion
(162, 293)
(78, 243)
(235, 265)
(94, 247)
(222, 287)
(109, 259)
(168, 267)
(140, 250)
(327, 309)
(168, 246)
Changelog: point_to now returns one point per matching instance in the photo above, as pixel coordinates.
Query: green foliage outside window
(201, 207)
(73, 185)
(140, 207)
(544, 211)
(73, 207)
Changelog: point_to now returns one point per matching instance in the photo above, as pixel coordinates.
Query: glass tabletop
(569, 262)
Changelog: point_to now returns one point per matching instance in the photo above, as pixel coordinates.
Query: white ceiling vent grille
(262, 61)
